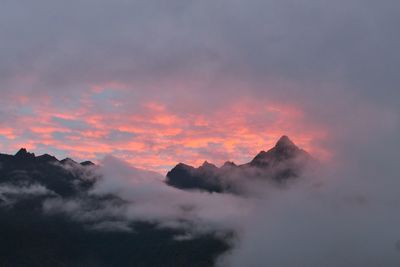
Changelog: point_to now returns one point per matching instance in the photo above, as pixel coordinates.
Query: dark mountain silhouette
(25, 169)
(205, 177)
(284, 150)
(32, 238)
(284, 161)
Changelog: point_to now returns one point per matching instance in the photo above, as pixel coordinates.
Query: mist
(143, 196)
(342, 213)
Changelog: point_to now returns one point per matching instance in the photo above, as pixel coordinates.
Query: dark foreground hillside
(32, 240)
(31, 237)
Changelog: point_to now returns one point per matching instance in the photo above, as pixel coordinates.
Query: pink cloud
(155, 136)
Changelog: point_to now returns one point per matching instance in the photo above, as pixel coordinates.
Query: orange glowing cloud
(8, 133)
(154, 136)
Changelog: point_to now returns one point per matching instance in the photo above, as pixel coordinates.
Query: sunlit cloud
(153, 135)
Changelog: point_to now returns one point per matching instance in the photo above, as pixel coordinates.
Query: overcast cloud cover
(159, 82)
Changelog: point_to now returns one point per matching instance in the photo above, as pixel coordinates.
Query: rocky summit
(282, 162)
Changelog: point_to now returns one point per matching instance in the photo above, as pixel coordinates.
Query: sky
(160, 82)
(153, 83)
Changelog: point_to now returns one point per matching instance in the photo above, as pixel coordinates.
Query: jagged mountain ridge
(282, 162)
(65, 178)
(46, 239)
(36, 236)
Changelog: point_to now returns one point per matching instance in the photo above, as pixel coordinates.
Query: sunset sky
(162, 82)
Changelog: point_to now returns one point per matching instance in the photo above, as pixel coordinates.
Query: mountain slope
(284, 161)
(38, 233)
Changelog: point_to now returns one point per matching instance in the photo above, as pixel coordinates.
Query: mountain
(24, 169)
(49, 217)
(206, 177)
(284, 150)
(282, 162)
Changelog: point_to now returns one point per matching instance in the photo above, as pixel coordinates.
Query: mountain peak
(47, 158)
(284, 142)
(206, 164)
(68, 161)
(283, 150)
(229, 164)
(23, 153)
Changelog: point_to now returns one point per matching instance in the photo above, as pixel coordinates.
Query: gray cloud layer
(333, 58)
(350, 43)
(338, 60)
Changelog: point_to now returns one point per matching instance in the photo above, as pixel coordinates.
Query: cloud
(332, 226)
(154, 137)
(344, 214)
(317, 40)
(219, 80)
(111, 226)
(123, 195)
(338, 214)
(11, 193)
(86, 210)
(197, 63)
(151, 199)
(341, 214)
